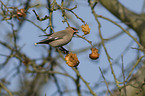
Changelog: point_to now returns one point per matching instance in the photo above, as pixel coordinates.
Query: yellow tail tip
(35, 43)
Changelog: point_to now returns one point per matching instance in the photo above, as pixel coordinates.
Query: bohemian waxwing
(60, 38)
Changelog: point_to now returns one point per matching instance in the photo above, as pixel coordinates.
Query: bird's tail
(45, 41)
(39, 43)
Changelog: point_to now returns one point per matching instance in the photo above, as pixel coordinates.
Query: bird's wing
(48, 40)
(53, 38)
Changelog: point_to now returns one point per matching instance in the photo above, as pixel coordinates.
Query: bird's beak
(76, 31)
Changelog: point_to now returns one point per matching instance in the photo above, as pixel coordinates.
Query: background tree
(29, 70)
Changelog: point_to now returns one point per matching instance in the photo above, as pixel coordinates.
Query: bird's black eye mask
(76, 32)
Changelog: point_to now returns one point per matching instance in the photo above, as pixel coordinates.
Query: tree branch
(133, 20)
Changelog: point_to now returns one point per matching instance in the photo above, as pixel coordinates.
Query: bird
(60, 38)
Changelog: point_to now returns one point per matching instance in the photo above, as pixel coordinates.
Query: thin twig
(51, 72)
(36, 25)
(90, 42)
(40, 19)
(6, 89)
(137, 62)
(123, 76)
(86, 83)
(105, 81)
(78, 85)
